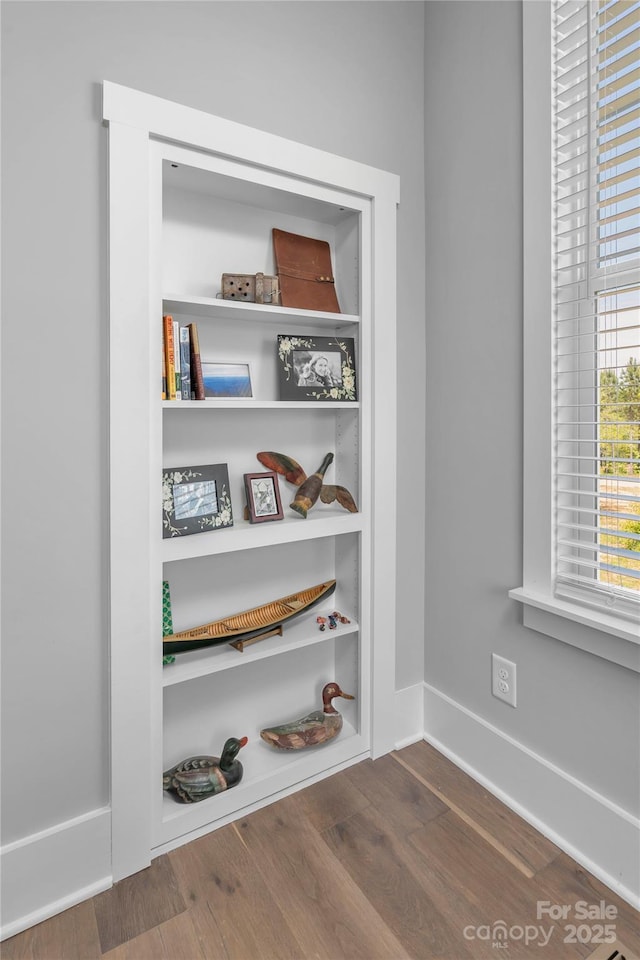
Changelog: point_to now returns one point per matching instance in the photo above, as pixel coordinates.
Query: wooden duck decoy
(317, 727)
(309, 488)
(197, 778)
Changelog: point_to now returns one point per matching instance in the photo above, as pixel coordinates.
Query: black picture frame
(195, 500)
(317, 368)
(263, 497)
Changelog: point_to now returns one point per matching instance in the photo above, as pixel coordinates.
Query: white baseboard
(594, 831)
(50, 871)
(408, 713)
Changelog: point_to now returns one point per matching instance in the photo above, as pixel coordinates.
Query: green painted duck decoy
(317, 727)
(200, 777)
(309, 488)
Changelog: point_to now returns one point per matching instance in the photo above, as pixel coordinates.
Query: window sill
(581, 627)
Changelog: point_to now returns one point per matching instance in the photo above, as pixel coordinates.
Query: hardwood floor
(402, 857)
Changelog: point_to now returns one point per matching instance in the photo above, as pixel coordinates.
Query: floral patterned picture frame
(317, 368)
(195, 500)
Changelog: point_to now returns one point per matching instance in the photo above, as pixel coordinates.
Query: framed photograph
(317, 368)
(226, 379)
(263, 497)
(195, 499)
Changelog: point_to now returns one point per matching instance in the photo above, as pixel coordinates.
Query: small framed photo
(263, 497)
(226, 379)
(317, 368)
(195, 499)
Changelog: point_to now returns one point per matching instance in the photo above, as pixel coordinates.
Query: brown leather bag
(304, 270)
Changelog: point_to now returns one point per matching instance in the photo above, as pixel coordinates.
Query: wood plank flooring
(402, 857)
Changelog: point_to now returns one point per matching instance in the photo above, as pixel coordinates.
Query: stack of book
(181, 364)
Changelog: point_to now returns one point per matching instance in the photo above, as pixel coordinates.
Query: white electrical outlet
(503, 679)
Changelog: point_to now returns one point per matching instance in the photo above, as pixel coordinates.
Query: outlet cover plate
(503, 679)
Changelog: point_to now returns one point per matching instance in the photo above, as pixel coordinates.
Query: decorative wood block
(251, 288)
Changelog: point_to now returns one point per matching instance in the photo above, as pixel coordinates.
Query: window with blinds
(596, 224)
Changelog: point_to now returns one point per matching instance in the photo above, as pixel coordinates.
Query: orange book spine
(169, 357)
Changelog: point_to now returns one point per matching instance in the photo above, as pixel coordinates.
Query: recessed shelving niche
(191, 197)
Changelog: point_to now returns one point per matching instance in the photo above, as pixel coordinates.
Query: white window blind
(596, 223)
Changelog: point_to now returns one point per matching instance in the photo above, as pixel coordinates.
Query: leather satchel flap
(304, 268)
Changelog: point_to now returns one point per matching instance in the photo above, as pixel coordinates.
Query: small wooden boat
(249, 624)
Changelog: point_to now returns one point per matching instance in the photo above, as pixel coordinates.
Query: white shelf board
(237, 404)
(179, 174)
(323, 521)
(302, 632)
(213, 308)
(267, 772)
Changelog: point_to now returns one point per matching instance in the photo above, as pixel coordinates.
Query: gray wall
(343, 77)
(577, 710)
(348, 78)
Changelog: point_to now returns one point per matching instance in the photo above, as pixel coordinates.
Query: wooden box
(251, 288)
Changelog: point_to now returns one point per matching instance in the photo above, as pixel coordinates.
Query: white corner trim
(589, 827)
(52, 870)
(409, 716)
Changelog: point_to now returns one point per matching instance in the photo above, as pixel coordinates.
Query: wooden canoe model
(249, 624)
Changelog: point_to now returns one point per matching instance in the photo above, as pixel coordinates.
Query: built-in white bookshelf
(215, 308)
(191, 197)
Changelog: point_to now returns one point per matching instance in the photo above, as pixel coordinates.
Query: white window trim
(606, 636)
